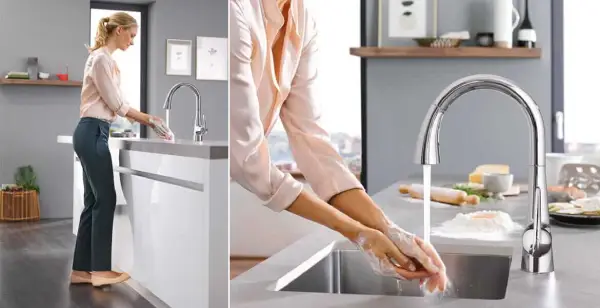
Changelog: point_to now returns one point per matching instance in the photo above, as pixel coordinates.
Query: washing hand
(385, 258)
(423, 253)
(160, 128)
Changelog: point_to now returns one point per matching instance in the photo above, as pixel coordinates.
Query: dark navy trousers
(93, 249)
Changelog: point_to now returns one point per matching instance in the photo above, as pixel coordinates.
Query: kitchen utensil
(440, 194)
(63, 77)
(554, 163)
(582, 176)
(497, 184)
(504, 24)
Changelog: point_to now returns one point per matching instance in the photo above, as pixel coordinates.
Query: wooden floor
(240, 265)
(35, 264)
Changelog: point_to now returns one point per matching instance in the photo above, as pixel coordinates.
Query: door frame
(363, 94)
(143, 10)
(558, 84)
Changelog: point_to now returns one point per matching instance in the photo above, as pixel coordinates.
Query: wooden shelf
(460, 52)
(54, 83)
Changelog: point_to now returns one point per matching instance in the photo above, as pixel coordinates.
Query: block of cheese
(477, 175)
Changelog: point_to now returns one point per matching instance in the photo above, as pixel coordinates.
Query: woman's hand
(386, 259)
(160, 128)
(424, 253)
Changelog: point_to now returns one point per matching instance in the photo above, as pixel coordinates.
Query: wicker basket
(438, 42)
(19, 206)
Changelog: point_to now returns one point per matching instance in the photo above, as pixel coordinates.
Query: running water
(426, 202)
(167, 117)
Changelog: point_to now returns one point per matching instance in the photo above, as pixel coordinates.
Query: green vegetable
(472, 191)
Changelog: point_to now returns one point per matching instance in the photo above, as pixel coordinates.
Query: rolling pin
(440, 194)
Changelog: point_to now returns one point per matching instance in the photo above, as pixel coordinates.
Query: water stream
(426, 202)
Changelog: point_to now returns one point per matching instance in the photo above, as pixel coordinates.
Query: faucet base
(537, 258)
(538, 265)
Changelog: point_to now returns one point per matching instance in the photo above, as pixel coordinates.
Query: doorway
(132, 63)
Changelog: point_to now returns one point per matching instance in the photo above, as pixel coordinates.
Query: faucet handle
(203, 121)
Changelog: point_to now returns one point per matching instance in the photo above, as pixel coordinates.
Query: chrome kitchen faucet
(199, 120)
(537, 256)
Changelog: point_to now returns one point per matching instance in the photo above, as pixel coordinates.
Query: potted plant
(20, 201)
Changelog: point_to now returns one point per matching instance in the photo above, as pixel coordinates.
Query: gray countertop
(181, 147)
(573, 283)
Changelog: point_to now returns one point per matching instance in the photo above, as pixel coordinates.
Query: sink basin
(346, 271)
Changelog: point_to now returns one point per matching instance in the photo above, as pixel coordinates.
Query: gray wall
(34, 116)
(482, 127)
(32, 113)
(186, 19)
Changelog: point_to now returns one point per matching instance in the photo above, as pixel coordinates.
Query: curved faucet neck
(537, 240)
(428, 142)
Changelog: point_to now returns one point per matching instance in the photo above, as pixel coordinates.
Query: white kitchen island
(171, 223)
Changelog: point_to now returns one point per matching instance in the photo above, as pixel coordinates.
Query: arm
(250, 161)
(318, 160)
(111, 93)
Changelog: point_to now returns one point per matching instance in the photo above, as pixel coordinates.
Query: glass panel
(581, 63)
(339, 84)
(129, 63)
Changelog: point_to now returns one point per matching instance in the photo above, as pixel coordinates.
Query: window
(580, 64)
(339, 82)
(131, 62)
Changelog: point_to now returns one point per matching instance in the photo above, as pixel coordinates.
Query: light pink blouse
(260, 92)
(101, 95)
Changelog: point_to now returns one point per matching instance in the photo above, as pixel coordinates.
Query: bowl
(436, 42)
(63, 77)
(496, 183)
(554, 163)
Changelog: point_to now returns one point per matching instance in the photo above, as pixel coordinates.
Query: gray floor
(35, 263)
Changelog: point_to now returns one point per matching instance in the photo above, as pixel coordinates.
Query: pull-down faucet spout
(537, 254)
(199, 120)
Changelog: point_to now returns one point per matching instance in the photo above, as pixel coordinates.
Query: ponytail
(101, 34)
(107, 26)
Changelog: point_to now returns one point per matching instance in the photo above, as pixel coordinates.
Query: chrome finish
(342, 271)
(537, 238)
(199, 120)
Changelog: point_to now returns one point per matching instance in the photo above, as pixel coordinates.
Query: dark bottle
(526, 35)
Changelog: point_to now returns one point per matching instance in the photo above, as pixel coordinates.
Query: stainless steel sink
(346, 271)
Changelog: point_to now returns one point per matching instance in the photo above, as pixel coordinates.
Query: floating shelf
(54, 83)
(460, 52)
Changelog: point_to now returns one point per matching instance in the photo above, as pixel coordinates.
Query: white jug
(503, 23)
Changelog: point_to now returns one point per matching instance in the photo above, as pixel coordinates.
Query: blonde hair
(108, 25)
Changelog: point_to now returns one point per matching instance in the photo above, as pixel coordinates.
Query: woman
(273, 45)
(101, 102)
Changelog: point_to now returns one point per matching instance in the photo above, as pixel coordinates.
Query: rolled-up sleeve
(310, 143)
(109, 90)
(250, 161)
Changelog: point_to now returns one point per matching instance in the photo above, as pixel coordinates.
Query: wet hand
(160, 128)
(423, 253)
(386, 259)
